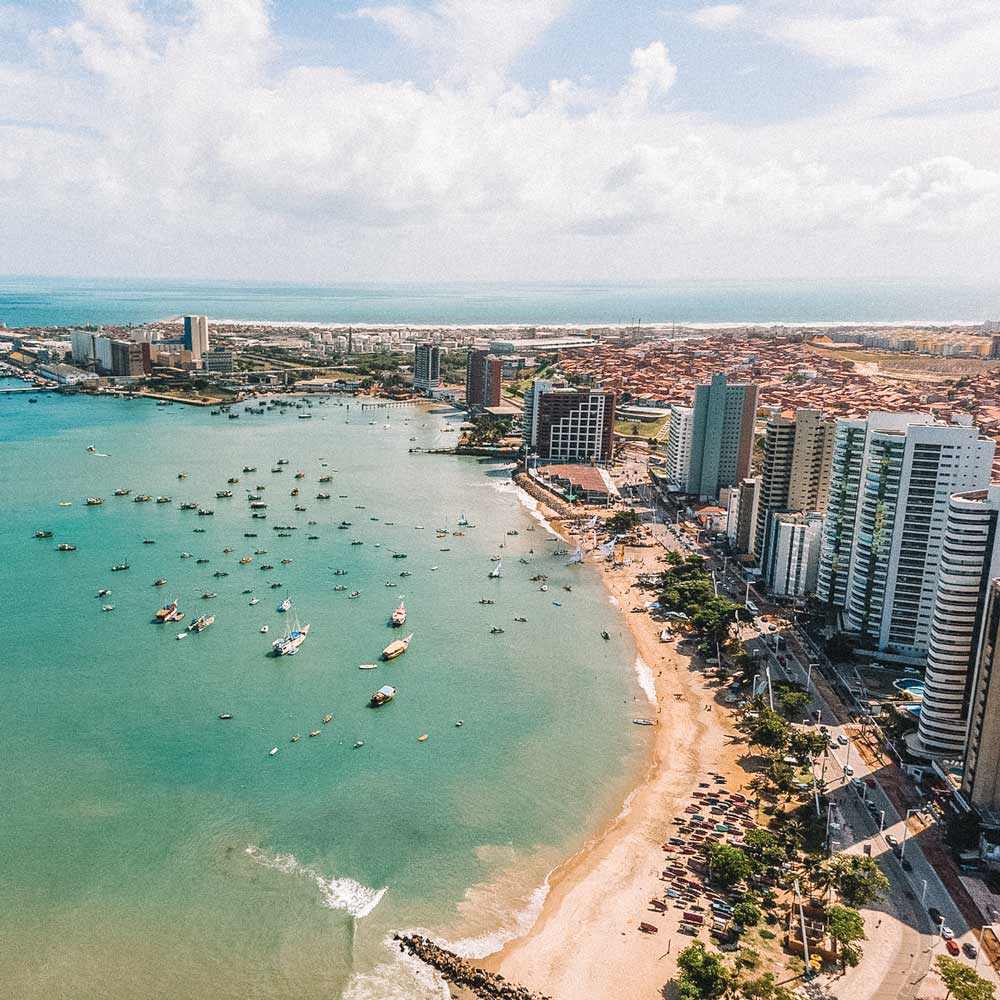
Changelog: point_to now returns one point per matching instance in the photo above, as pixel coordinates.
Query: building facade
(795, 474)
(196, 336)
(790, 563)
(129, 358)
(970, 560)
(483, 379)
(217, 361)
(573, 425)
(426, 367)
(680, 433)
(722, 436)
(895, 473)
(529, 427)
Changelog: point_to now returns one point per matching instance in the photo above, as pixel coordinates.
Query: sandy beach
(586, 941)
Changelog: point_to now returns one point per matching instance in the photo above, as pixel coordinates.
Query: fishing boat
(208, 595)
(95, 501)
(396, 648)
(142, 498)
(43, 534)
(122, 492)
(285, 604)
(221, 494)
(189, 505)
(382, 696)
(104, 592)
(399, 615)
(494, 573)
(367, 666)
(108, 607)
(289, 644)
(245, 560)
(201, 623)
(263, 629)
(159, 583)
(119, 567)
(163, 499)
(576, 557)
(66, 547)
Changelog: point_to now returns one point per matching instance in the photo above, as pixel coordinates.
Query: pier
(389, 403)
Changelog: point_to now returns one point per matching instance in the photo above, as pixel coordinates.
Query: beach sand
(586, 942)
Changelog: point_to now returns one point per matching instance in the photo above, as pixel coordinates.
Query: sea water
(150, 849)
(67, 301)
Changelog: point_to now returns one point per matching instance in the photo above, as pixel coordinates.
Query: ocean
(153, 850)
(67, 301)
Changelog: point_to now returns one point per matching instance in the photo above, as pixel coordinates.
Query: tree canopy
(962, 981)
(703, 976)
(858, 878)
(727, 864)
(846, 928)
(622, 521)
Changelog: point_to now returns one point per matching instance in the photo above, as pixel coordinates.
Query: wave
(644, 674)
(338, 893)
(531, 505)
(404, 978)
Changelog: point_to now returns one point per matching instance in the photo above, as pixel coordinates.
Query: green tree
(764, 848)
(805, 743)
(963, 981)
(728, 865)
(703, 976)
(715, 618)
(622, 522)
(793, 702)
(857, 878)
(764, 987)
(846, 928)
(769, 731)
(746, 913)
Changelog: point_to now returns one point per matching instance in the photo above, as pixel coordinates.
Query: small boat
(272, 751)
(463, 521)
(396, 648)
(254, 600)
(220, 573)
(205, 512)
(295, 492)
(232, 480)
(263, 629)
(163, 499)
(383, 695)
(643, 722)
(208, 595)
(459, 724)
(494, 574)
(340, 572)
(389, 583)
(399, 555)
(65, 547)
(94, 501)
(296, 738)
(159, 583)
(434, 568)
(223, 494)
(181, 635)
(299, 508)
(43, 534)
(340, 586)
(360, 743)
(65, 503)
(567, 588)
(300, 475)
(185, 555)
(405, 573)
(285, 604)
(520, 619)
(496, 630)
(605, 636)
(557, 604)
(189, 505)
(322, 496)
(201, 562)
(122, 492)
(486, 600)
(149, 541)
(367, 666)
(142, 498)
(354, 594)
(108, 607)
(314, 732)
(249, 468)
(357, 542)
(276, 584)
(227, 549)
(422, 738)
(245, 560)
(544, 587)
(326, 479)
(104, 592)
(327, 718)
(226, 715)
(201, 623)
(249, 534)
(312, 538)
(182, 475)
(120, 567)
(399, 616)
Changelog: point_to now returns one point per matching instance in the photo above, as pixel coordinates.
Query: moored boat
(95, 501)
(399, 616)
(289, 644)
(201, 623)
(383, 695)
(396, 648)
(43, 534)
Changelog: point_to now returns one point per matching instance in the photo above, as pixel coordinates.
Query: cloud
(717, 17)
(133, 143)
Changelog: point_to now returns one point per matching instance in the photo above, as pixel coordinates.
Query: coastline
(585, 941)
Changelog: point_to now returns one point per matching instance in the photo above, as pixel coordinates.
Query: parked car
(935, 914)
(848, 770)
(891, 840)
(971, 951)
(905, 865)
(947, 933)
(952, 947)
(842, 739)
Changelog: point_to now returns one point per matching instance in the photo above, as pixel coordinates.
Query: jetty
(463, 973)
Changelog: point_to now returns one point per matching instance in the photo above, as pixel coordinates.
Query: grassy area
(638, 428)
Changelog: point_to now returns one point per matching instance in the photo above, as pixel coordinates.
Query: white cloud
(717, 17)
(143, 145)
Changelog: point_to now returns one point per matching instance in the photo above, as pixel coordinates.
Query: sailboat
(463, 521)
(293, 638)
(494, 573)
(576, 557)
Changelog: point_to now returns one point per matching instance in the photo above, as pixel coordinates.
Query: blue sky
(453, 139)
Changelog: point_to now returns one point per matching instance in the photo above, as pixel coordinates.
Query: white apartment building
(970, 559)
(791, 562)
(680, 434)
(892, 477)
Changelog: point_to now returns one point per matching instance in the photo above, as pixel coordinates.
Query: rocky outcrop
(535, 490)
(463, 973)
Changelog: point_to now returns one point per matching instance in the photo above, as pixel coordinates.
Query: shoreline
(585, 939)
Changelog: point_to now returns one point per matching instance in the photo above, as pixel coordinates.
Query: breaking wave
(644, 674)
(338, 893)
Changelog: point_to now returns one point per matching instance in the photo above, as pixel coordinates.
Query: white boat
(576, 557)
(463, 521)
(182, 635)
(263, 628)
(285, 604)
(396, 648)
(293, 638)
(494, 573)
(367, 666)
(272, 751)
(254, 600)
(399, 616)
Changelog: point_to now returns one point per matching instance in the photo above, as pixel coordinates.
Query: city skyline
(447, 140)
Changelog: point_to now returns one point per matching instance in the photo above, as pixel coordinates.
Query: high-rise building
(426, 367)
(970, 559)
(573, 425)
(483, 379)
(981, 769)
(83, 347)
(795, 474)
(747, 497)
(129, 358)
(722, 435)
(196, 336)
(102, 355)
(892, 477)
(680, 433)
(529, 426)
(791, 560)
(217, 360)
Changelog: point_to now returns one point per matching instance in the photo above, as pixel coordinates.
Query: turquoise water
(67, 301)
(152, 850)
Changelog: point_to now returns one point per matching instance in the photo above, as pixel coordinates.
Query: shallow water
(153, 850)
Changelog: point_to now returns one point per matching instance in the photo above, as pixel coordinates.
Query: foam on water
(338, 893)
(530, 504)
(644, 674)
(403, 978)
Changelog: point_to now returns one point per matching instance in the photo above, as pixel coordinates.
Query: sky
(442, 140)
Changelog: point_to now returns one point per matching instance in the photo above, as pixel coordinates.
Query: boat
(221, 494)
(496, 630)
(299, 508)
(340, 586)
(220, 573)
(257, 505)
(295, 492)
(486, 600)
(314, 732)
(205, 512)
(226, 715)
(142, 498)
(289, 644)
(65, 503)
(249, 534)
(354, 594)
(557, 604)
(322, 496)
(513, 531)
(399, 615)
(43, 534)
(272, 751)
(95, 501)
(367, 666)
(519, 619)
(108, 607)
(122, 492)
(360, 743)
(577, 556)
(327, 718)
(104, 592)
(405, 573)
(232, 480)
(185, 555)
(544, 587)
(263, 629)
(91, 450)
(383, 695)
(285, 604)
(189, 505)
(463, 521)
(494, 573)
(340, 572)
(643, 722)
(201, 623)
(459, 724)
(300, 475)
(182, 475)
(356, 541)
(605, 636)
(399, 555)
(296, 738)
(181, 635)
(312, 538)
(422, 738)
(118, 568)
(258, 515)
(326, 479)
(208, 595)
(287, 562)
(201, 562)
(567, 588)
(249, 468)
(245, 560)
(148, 541)
(396, 648)
(163, 499)
(282, 461)
(254, 600)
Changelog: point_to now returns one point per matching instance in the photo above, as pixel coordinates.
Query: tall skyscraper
(529, 426)
(426, 367)
(792, 555)
(722, 435)
(970, 559)
(981, 770)
(129, 358)
(570, 425)
(196, 336)
(680, 433)
(483, 379)
(893, 475)
(795, 475)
